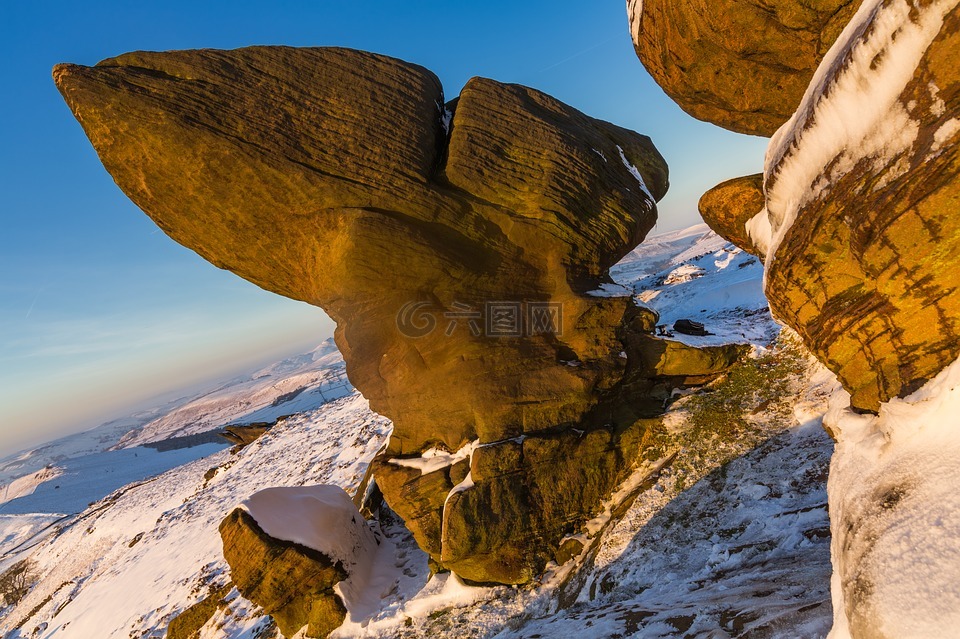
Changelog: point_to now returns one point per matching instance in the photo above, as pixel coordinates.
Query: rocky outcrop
(454, 243)
(291, 582)
(862, 195)
(245, 434)
(187, 624)
(740, 64)
(727, 208)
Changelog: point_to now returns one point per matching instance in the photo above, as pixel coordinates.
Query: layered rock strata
(455, 244)
(862, 193)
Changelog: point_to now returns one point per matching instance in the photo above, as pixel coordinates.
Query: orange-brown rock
(292, 583)
(740, 64)
(454, 243)
(327, 175)
(862, 198)
(727, 207)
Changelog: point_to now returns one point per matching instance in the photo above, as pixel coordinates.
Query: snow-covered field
(730, 539)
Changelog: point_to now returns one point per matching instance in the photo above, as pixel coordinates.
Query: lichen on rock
(862, 193)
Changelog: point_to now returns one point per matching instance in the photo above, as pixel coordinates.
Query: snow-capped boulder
(862, 193)
(740, 64)
(290, 551)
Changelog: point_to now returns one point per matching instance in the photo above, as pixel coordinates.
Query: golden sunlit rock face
(867, 273)
(727, 207)
(740, 64)
(454, 243)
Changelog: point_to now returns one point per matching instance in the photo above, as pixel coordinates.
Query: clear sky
(100, 311)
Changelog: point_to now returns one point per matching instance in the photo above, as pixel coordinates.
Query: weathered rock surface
(862, 200)
(292, 583)
(454, 244)
(501, 513)
(740, 64)
(727, 207)
(188, 623)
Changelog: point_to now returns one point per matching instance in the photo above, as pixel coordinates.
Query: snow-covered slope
(730, 539)
(294, 385)
(131, 561)
(695, 274)
(27, 485)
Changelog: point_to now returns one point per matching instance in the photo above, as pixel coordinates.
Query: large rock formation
(455, 244)
(861, 237)
(740, 64)
(862, 198)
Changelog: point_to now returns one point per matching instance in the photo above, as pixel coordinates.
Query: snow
(26, 485)
(320, 517)
(696, 274)
(685, 273)
(434, 459)
(152, 549)
(635, 17)
(294, 385)
(896, 511)
(636, 174)
(608, 289)
(325, 518)
(946, 132)
(850, 111)
(87, 479)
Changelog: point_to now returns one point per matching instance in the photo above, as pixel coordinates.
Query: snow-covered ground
(730, 539)
(896, 509)
(695, 274)
(294, 385)
(62, 477)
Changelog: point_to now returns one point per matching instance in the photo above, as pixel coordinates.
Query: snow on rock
(609, 290)
(434, 459)
(325, 519)
(636, 175)
(320, 517)
(895, 514)
(849, 115)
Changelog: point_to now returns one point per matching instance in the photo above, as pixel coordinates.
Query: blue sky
(100, 311)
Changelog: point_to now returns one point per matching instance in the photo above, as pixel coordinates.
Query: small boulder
(289, 547)
(727, 207)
